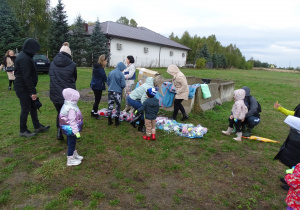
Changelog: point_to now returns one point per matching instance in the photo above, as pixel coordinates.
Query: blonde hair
(101, 60)
(7, 53)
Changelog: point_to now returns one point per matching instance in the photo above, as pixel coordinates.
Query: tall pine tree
(10, 37)
(79, 42)
(98, 44)
(58, 33)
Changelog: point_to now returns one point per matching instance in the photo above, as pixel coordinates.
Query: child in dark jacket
(151, 108)
(70, 121)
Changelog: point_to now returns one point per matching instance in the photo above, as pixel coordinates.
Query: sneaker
(9, 88)
(27, 134)
(72, 161)
(41, 128)
(76, 156)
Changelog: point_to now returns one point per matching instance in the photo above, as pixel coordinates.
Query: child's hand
(77, 135)
(276, 105)
(231, 117)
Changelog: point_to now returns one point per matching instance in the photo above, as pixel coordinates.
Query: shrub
(200, 63)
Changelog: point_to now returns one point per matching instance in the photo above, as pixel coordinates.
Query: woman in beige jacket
(8, 63)
(182, 90)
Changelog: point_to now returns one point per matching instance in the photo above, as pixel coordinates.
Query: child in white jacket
(239, 111)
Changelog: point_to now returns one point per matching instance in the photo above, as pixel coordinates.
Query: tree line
(207, 52)
(21, 19)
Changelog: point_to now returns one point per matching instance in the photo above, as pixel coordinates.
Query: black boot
(59, 134)
(248, 132)
(117, 121)
(185, 117)
(133, 122)
(109, 120)
(141, 125)
(95, 115)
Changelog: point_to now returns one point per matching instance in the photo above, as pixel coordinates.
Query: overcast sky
(266, 30)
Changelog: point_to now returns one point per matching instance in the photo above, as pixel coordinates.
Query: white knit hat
(66, 48)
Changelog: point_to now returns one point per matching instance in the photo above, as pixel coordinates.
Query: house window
(145, 49)
(171, 53)
(183, 55)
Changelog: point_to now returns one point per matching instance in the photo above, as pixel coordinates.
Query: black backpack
(258, 107)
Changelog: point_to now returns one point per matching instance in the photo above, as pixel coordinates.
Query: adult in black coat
(289, 153)
(63, 74)
(25, 87)
(98, 83)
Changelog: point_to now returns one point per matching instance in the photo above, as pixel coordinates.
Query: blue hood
(121, 66)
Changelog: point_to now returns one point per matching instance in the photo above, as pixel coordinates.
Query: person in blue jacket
(116, 84)
(98, 83)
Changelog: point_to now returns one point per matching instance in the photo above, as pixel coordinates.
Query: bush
(200, 63)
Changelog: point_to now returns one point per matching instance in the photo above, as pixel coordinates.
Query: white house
(149, 49)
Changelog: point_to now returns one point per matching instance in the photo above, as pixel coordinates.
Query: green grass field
(120, 170)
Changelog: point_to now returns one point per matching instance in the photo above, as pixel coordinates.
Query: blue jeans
(71, 144)
(252, 121)
(135, 104)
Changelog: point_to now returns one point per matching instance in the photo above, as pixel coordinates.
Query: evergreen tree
(58, 33)
(204, 53)
(215, 61)
(10, 37)
(79, 42)
(98, 44)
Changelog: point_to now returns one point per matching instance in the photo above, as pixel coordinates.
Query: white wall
(142, 59)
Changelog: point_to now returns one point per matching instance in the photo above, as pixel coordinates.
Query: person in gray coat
(116, 84)
(252, 118)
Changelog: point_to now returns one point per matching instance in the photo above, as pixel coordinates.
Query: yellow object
(285, 111)
(257, 138)
(289, 171)
(77, 135)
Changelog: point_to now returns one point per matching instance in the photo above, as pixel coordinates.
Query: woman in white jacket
(129, 74)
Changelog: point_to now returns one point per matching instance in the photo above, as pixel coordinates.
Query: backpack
(258, 107)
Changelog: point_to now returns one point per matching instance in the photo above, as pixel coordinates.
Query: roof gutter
(159, 56)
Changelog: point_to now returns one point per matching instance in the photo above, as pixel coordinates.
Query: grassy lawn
(123, 171)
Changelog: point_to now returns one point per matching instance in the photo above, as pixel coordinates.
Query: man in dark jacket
(63, 74)
(25, 87)
(252, 118)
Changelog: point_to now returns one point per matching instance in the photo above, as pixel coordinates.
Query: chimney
(86, 26)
